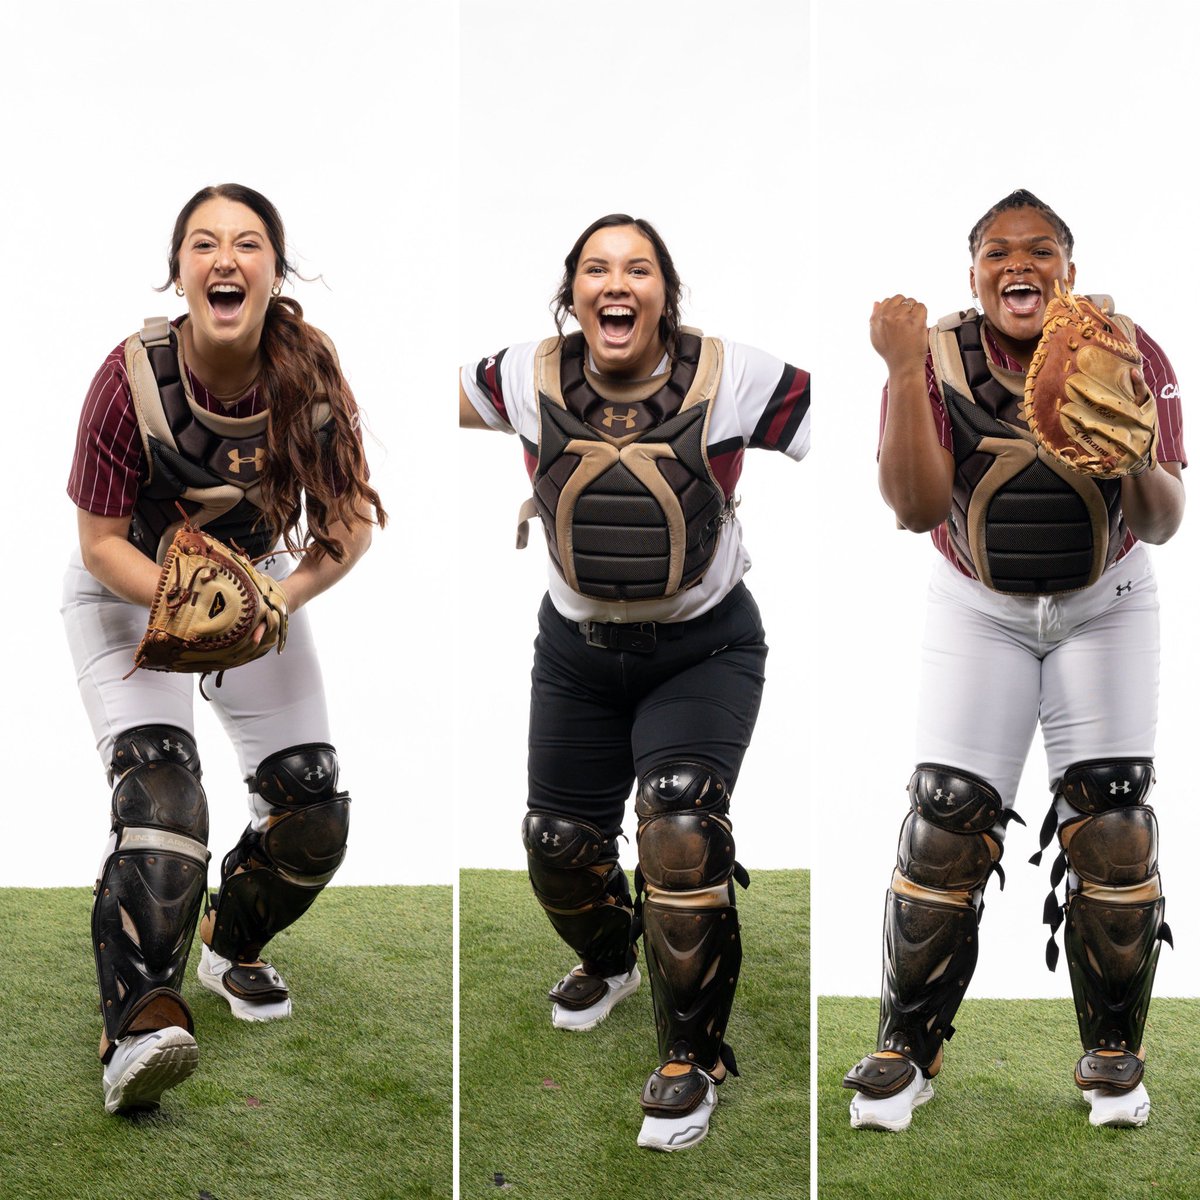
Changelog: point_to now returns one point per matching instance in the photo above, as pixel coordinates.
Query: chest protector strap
(209, 462)
(623, 485)
(1020, 522)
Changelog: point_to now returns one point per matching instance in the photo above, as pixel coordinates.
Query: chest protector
(628, 500)
(207, 462)
(1019, 521)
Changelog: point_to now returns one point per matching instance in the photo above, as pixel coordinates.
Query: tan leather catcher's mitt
(209, 601)
(1083, 401)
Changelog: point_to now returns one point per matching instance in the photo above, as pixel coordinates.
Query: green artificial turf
(554, 1115)
(349, 1098)
(1007, 1122)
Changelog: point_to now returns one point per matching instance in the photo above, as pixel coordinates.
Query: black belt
(637, 637)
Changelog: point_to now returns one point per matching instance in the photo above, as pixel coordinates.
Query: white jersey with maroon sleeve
(761, 403)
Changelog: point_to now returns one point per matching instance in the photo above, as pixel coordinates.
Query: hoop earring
(275, 291)
(178, 288)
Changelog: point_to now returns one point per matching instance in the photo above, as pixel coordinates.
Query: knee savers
(692, 939)
(152, 884)
(272, 876)
(578, 880)
(1114, 910)
(946, 853)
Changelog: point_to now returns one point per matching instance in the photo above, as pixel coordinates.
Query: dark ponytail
(328, 465)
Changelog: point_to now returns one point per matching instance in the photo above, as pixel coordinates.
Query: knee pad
(685, 841)
(947, 841)
(1114, 912)
(1098, 785)
(577, 879)
(272, 876)
(151, 885)
(691, 932)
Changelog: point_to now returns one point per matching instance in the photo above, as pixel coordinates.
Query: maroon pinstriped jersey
(109, 464)
(1160, 379)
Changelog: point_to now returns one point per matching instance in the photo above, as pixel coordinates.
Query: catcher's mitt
(209, 601)
(1085, 399)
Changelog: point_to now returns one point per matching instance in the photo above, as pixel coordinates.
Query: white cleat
(678, 1133)
(893, 1113)
(581, 1019)
(144, 1065)
(1116, 1109)
(254, 992)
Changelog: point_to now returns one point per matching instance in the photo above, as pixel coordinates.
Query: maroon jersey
(110, 463)
(1160, 379)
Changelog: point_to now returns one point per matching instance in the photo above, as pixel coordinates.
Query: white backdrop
(694, 117)
(921, 127)
(114, 116)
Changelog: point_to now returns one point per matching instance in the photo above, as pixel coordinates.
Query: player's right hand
(899, 333)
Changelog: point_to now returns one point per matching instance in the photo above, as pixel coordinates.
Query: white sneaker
(144, 1065)
(893, 1113)
(678, 1133)
(1111, 1108)
(236, 984)
(581, 1019)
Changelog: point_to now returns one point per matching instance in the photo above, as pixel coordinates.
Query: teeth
(231, 289)
(1019, 287)
(616, 310)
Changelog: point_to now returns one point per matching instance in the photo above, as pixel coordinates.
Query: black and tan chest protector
(209, 463)
(1021, 522)
(623, 485)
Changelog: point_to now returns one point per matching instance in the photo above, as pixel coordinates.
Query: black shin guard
(690, 924)
(152, 884)
(948, 850)
(1114, 913)
(577, 879)
(271, 877)
(929, 955)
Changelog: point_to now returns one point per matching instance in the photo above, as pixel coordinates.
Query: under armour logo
(169, 745)
(549, 839)
(1122, 588)
(940, 795)
(629, 416)
(1122, 787)
(257, 458)
(319, 773)
(665, 782)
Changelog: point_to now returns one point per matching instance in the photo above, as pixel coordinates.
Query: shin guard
(577, 879)
(1114, 914)
(690, 924)
(272, 876)
(151, 885)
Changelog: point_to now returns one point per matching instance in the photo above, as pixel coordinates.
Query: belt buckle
(592, 634)
(637, 638)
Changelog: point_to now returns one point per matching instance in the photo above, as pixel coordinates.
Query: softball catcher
(198, 443)
(648, 665)
(1038, 437)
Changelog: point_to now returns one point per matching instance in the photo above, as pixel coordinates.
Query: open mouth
(1021, 299)
(226, 300)
(616, 323)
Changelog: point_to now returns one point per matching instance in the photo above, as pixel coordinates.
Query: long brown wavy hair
(318, 474)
